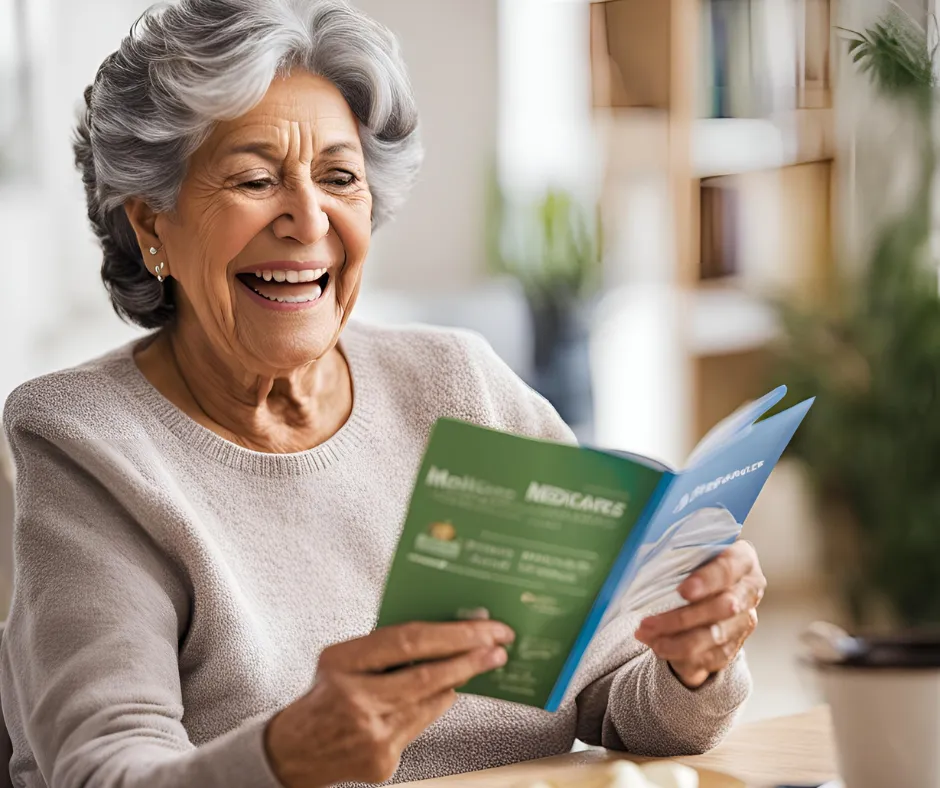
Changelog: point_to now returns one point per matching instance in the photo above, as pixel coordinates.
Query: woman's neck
(281, 414)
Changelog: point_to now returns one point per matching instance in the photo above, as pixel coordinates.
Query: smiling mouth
(287, 287)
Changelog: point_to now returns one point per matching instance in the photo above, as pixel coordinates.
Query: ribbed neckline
(349, 439)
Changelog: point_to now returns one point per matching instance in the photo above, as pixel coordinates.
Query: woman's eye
(342, 178)
(258, 184)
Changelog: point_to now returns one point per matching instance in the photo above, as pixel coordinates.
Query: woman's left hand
(701, 638)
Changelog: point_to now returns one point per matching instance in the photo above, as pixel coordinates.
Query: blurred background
(654, 210)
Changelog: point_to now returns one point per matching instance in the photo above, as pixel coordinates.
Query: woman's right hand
(364, 708)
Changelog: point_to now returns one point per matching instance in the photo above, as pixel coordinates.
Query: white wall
(53, 309)
(546, 135)
(438, 241)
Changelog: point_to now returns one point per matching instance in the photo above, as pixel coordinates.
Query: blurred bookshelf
(729, 146)
(731, 101)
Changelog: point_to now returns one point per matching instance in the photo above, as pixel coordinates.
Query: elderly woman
(206, 517)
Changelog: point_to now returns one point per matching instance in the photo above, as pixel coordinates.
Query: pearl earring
(152, 250)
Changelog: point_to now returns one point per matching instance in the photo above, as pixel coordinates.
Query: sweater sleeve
(639, 706)
(632, 700)
(507, 402)
(90, 653)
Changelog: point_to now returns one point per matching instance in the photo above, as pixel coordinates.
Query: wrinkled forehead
(300, 115)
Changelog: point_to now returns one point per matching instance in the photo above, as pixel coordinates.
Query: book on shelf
(760, 57)
(559, 540)
(720, 228)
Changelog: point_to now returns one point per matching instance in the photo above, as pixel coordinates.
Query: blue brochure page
(726, 478)
(726, 474)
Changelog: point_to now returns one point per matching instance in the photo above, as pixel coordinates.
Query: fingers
(392, 647)
(727, 604)
(430, 679)
(411, 723)
(374, 714)
(704, 636)
(727, 569)
(719, 657)
(703, 661)
(695, 644)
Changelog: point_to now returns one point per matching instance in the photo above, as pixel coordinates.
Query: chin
(292, 344)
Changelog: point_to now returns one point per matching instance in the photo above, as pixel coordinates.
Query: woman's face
(272, 228)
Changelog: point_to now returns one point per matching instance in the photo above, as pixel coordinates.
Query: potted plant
(873, 448)
(873, 360)
(553, 247)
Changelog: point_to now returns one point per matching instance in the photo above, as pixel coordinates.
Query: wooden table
(788, 750)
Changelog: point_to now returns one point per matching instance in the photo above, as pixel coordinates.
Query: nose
(303, 218)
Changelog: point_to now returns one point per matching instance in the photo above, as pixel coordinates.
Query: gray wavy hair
(187, 65)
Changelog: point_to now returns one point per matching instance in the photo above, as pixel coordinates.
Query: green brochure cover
(525, 530)
(544, 536)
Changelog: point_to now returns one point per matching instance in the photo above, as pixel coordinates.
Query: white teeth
(315, 293)
(298, 299)
(292, 277)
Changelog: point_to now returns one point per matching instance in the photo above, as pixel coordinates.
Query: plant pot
(562, 370)
(885, 705)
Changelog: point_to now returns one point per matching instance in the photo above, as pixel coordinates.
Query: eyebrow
(272, 153)
(339, 147)
(263, 149)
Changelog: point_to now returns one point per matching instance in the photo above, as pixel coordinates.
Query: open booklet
(550, 538)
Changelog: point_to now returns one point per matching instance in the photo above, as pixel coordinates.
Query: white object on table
(624, 774)
(665, 774)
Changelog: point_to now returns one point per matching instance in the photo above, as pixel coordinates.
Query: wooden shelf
(774, 232)
(730, 146)
(725, 382)
(633, 140)
(725, 319)
(637, 138)
(631, 54)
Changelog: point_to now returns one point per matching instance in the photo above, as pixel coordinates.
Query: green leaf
(553, 246)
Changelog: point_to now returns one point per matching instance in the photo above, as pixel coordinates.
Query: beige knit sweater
(173, 589)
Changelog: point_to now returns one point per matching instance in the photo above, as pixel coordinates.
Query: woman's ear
(144, 221)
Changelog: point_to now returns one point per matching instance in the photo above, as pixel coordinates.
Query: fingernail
(693, 588)
(504, 634)
(497, 657)
(718, 634)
